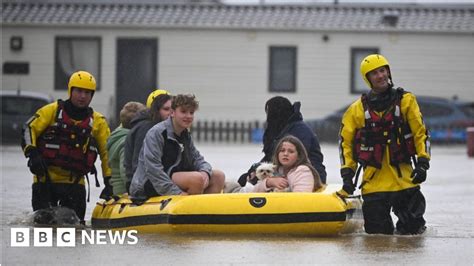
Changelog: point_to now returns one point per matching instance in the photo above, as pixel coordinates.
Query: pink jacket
(300, 179)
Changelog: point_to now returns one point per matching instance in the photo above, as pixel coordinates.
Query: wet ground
(449, 193)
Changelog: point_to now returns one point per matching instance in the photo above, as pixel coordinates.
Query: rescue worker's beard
(381, 101)
(76, 113)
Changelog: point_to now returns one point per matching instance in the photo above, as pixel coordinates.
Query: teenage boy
(169, 163)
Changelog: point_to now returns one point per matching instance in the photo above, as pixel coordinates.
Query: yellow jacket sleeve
(412, 115)
(101, 132)
(352, 120)
(35, 126)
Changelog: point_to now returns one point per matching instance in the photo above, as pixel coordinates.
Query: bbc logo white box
(43, 237)
(20, 237)
(66, 237)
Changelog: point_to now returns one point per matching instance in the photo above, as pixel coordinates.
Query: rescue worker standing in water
(384, 133)
(62, 141)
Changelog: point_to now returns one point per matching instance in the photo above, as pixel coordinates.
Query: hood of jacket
(141, 116)
(292, 120)
(296, 116)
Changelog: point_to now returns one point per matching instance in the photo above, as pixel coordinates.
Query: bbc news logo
(66, 237)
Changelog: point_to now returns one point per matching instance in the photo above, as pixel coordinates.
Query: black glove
(107, 192)
(35, 162)
(246, 176)
(419, 173)
(347, 183)
(243, 179)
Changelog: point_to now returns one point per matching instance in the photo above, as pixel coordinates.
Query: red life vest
(379, 131)
(69, 145)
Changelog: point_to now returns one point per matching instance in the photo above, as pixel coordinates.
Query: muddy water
(449, 192)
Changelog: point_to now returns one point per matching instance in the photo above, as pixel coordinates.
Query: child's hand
(277, 182)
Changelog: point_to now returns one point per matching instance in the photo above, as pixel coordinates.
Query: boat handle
(164, 203)
(258, 202)
(122, 207)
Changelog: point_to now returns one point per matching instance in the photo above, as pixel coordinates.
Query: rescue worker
(383, 132)
(62, 141)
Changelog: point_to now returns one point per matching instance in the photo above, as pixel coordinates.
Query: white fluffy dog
(267, 170)
(264, 170)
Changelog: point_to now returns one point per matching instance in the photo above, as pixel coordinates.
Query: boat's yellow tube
(321, 213)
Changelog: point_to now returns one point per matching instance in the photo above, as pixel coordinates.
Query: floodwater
(449, 193)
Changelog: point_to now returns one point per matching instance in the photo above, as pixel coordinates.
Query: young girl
(285, 118)
(294, 168)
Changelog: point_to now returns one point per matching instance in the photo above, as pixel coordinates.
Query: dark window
(468, 109)
(282, 69)
(73, 54)
(435, 110)
(136, 72)
(21, 105)
(358, 84)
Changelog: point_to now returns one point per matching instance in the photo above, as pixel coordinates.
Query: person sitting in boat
(294, 172)
(169, 163)
(115, 146)
(284, 118)
(158, 109)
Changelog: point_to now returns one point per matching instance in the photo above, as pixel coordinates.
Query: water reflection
(380, 243)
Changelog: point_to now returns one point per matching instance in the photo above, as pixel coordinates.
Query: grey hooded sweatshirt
(160, 156)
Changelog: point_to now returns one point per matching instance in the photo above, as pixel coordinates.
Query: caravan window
(74, 54)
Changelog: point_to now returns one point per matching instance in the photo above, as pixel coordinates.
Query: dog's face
(264, 170)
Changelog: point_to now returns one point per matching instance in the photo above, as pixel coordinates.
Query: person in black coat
(284, 118)
(159, 110)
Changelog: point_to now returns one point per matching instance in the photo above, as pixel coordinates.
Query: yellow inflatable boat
(321, 213)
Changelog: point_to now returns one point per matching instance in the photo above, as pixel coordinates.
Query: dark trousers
(408, 205)
(150, 190)
(72, 196)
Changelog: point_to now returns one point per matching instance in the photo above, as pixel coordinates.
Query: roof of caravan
(212, 14)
